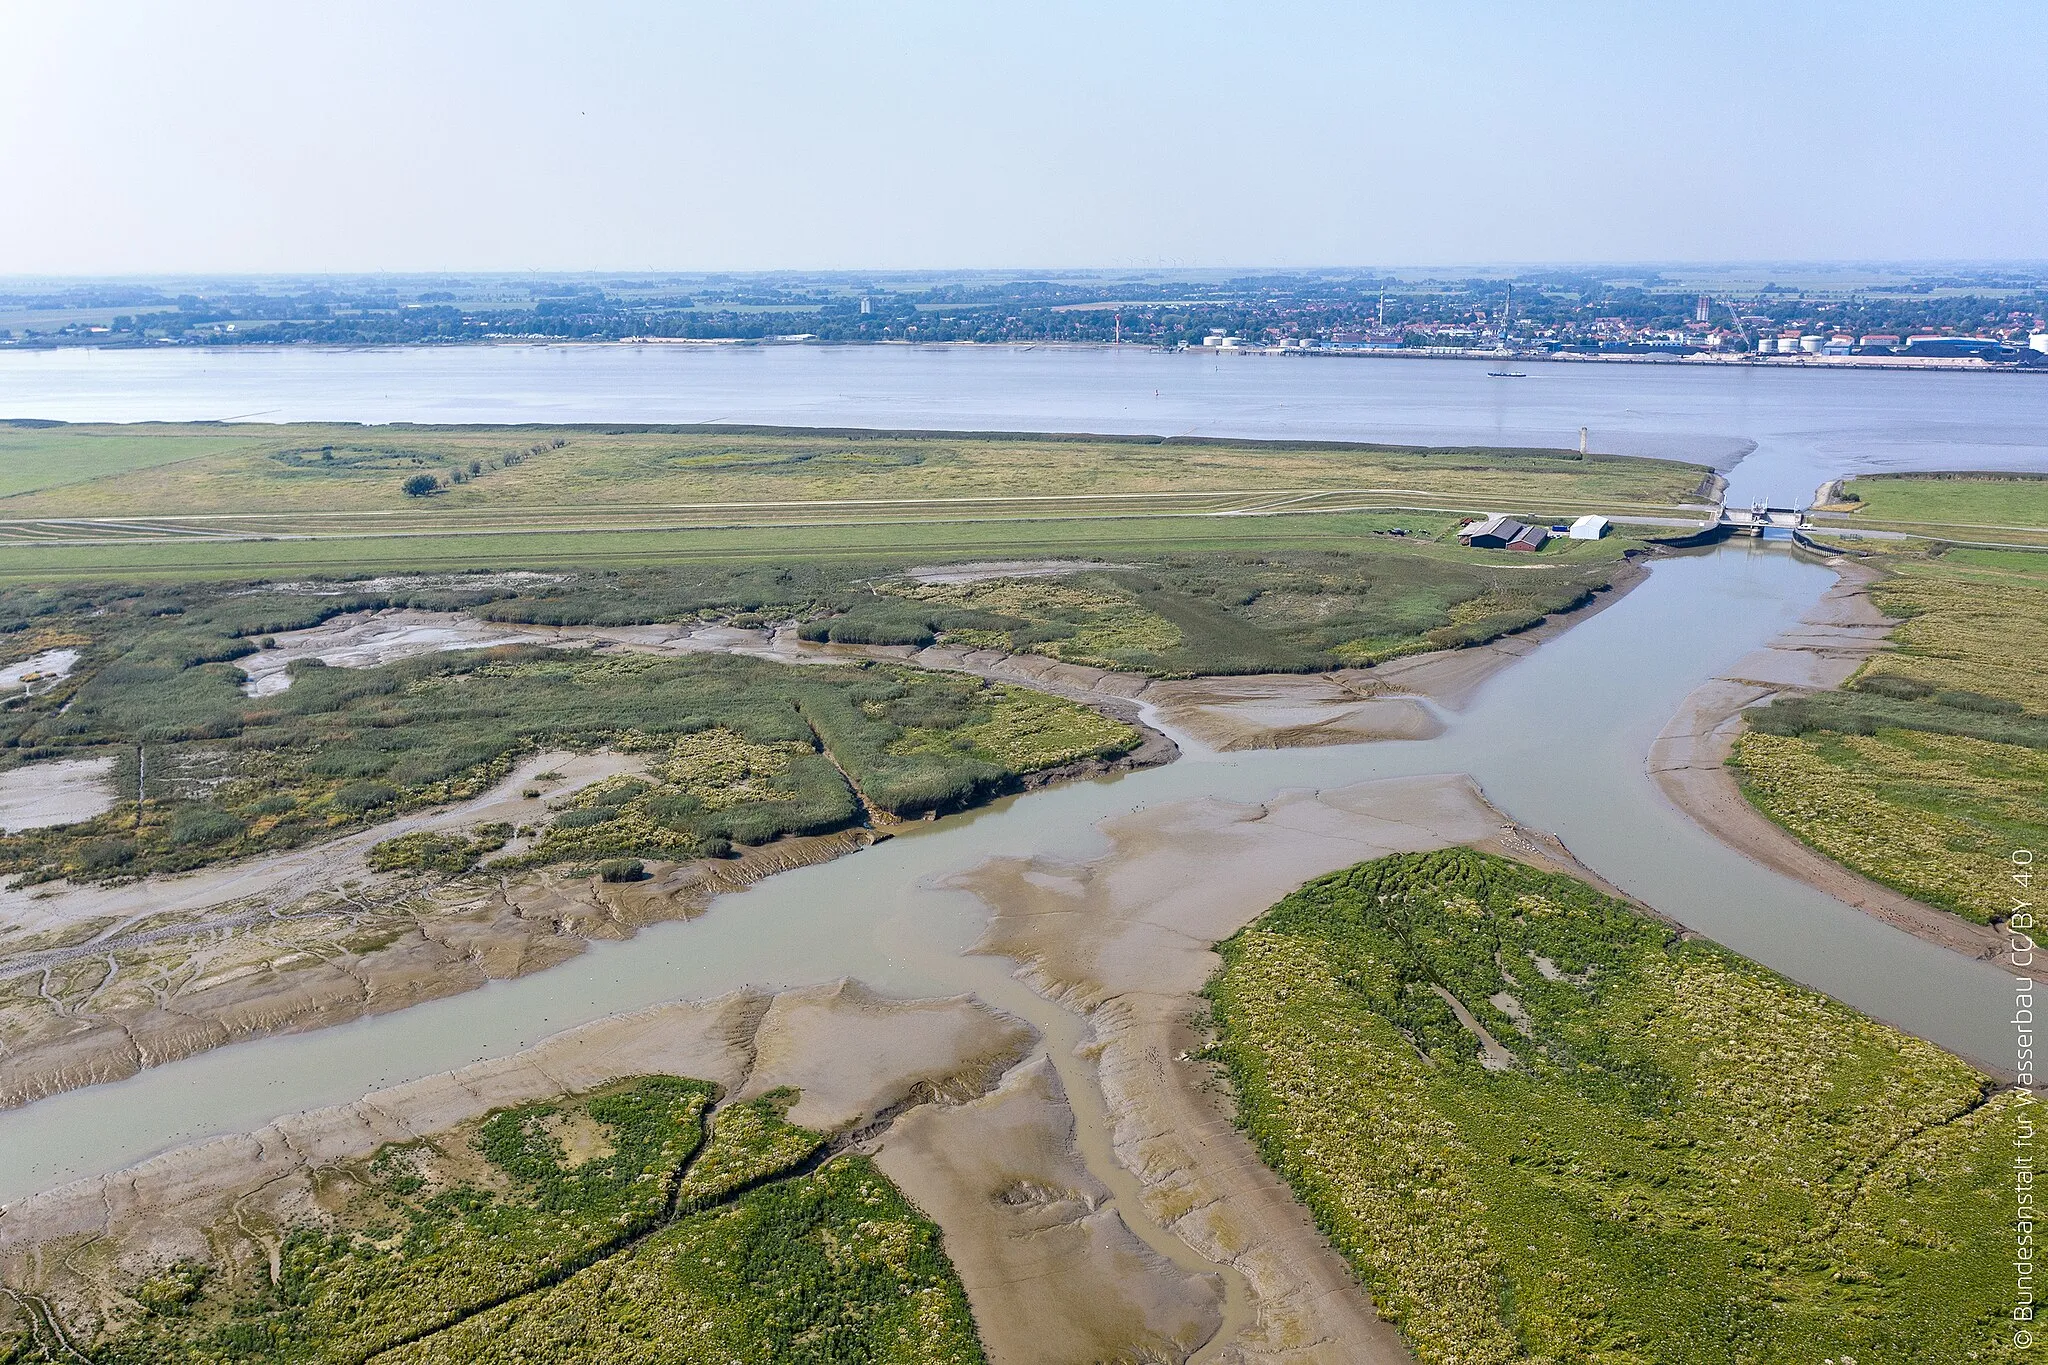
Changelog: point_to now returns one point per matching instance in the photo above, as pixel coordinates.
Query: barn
(1502, 532)
(1589, 528)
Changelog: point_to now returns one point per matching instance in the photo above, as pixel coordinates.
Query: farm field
(635, 1223)
(1931, 767)
(242, 499)
(1541, 1125)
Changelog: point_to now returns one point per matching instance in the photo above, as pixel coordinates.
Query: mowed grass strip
(887, 543)
(1667, 1155)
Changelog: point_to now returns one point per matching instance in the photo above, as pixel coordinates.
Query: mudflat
(56, 793)
(1124, 940)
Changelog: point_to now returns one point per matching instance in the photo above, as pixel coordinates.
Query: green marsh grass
(1687, 1158)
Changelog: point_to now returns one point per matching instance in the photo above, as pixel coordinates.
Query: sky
(210, 137)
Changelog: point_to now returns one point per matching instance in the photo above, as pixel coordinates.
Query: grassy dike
(1963, 506)
(634, 1224)
(1659, 1152)
(174, 469)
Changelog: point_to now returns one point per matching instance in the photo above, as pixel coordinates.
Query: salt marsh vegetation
(735, 750)
(1931, 767)
(1683, 1158)
(640, 1222)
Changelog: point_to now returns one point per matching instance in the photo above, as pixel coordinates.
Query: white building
(1589, 528)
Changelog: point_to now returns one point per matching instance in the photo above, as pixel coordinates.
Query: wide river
(1558, 740)
(1805, 425)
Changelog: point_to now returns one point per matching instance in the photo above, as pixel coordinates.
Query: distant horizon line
(883, 272)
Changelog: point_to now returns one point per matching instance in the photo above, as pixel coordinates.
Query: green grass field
(241, 499)
(38, 458)
(314, 468)
(888, 543)
(1662, 1154)
(1972, 506)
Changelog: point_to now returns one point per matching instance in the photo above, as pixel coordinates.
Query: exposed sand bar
(1117, 947)
(1689, 761)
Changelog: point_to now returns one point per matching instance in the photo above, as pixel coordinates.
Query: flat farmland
(240, 499)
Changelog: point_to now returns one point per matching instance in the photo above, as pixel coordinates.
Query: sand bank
(1689, 761)
(981, 571)
(1051, 1270)
(38, 672)
(1124, 940)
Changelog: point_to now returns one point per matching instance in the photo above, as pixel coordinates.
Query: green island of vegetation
(1931, 767)
(1541, 1125)
(637, 1223)
(733, 749)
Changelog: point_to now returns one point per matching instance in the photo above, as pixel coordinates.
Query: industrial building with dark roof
(1500, 532)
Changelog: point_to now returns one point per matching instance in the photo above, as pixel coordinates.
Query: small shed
(1502, 532)
(1589, 528)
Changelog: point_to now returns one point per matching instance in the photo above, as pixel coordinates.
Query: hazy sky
(140, 137)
